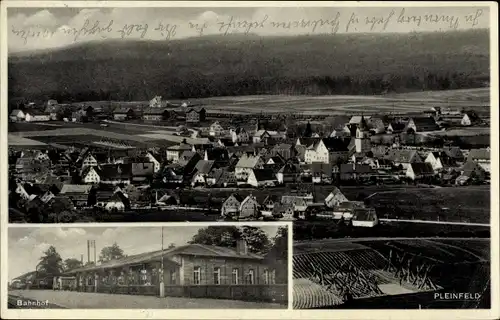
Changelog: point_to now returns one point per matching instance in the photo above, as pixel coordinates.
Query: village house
(299, 203)
(155, 159)
(202, 169)
(284, 212)
(173, 153)
(345, 210)
(90, 175)
(216, 130)
(321, 172)
(481, 157)
(155, 114)
(78, 194)
(262, 178)
(421, 124)
(288, 173)
(396, 127)
(231, 206)
(350, 171)
(239, 135)
(173, 175)
(265, 136)
(54, 111)
(36, 116)
(417, 171)
(157, 102)
(454, 153)
(268, 204)
(115, 174)
(326, 150)
(246, 164)
(123, 113)
(117, 202)
(275, 160)
(439, 160)
(142, 170)
(195, 115)
(376, 125)
(335, 198)
(283, 150)
(249, 208)
(17, 115)
(471, 171)
(470, 118)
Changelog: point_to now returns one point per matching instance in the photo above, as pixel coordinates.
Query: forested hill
(218, 65)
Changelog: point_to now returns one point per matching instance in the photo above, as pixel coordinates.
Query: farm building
(420, 170)
(481, 156)
(470, 118)
(123, 113)
(193, 270)
(364, 217)
(345, 210)
(17, 115)
(155, 114)
(195, 115)
(356, 120)
(421, 124)
(36, 116)
(321, 172)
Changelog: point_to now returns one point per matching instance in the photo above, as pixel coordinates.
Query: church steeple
(363, 126)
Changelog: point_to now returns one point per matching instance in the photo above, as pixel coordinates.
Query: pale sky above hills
(44, 28)
(26, 245)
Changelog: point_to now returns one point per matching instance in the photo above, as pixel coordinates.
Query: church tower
(362, 142)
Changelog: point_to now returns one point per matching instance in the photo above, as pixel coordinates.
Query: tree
(72, 263)
(257, 240)
(51, 263)
(111, 253)
(226, 236)
(280, 243)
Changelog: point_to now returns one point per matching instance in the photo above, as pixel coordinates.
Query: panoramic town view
(132, 267)
(374, 144)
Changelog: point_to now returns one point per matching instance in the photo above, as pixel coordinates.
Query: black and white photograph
(160, 155)
(183, 267)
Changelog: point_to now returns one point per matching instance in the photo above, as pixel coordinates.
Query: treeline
(197, 68)
(212, 87)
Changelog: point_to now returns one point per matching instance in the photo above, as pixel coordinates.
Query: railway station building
(193, 270)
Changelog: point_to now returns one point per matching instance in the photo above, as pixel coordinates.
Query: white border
(251, 314)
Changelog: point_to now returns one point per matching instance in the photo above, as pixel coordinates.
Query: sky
(27, 244)
(45, 28)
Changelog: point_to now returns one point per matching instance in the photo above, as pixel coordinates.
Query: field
(471, 204)
(340, 104)
(322, 268)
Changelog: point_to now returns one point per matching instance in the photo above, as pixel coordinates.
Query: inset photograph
(182, 267)
(392, 273)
